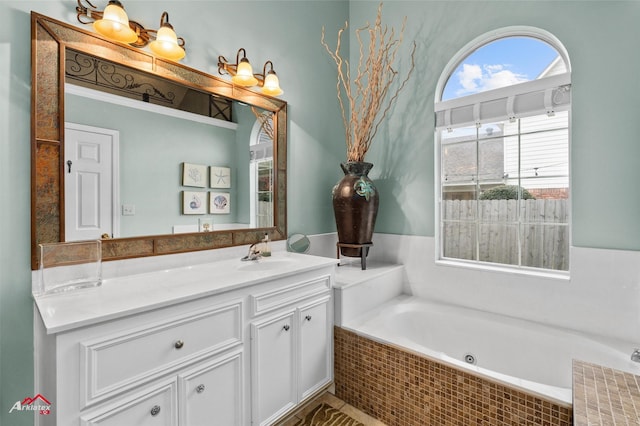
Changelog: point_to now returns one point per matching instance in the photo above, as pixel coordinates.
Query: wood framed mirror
(52, 42)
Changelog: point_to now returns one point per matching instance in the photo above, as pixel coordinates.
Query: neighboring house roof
(557, 66)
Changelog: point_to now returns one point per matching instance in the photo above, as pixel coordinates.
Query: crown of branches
(366, 99)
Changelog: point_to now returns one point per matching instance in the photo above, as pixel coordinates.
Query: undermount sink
(263, 264)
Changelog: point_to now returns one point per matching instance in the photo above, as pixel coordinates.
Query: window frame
(533, 85)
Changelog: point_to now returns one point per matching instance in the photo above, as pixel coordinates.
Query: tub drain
(470, 358)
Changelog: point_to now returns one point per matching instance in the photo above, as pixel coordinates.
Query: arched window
(502, 131)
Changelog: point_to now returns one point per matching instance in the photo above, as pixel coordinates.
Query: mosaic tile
(405, 389)
(604, 396)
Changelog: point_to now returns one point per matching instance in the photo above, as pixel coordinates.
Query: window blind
(543, 96)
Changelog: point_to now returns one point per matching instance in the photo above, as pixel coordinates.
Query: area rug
(326, 415)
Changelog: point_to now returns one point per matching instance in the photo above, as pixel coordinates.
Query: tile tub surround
(401, 388)
(604, 396)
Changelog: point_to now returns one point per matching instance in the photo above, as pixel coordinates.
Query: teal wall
(601, 38)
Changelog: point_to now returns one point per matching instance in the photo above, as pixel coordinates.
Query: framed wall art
(219, 203)
(219, 177)
(194, 175)
(194, 202)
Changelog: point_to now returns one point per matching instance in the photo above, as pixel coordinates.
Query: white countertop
(137, 293)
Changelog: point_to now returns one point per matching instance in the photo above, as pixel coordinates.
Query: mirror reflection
(148, 156)
(254, 203)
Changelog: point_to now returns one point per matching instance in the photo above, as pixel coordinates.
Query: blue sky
(500, 63)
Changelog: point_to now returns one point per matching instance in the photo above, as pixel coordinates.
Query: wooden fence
(540, 234)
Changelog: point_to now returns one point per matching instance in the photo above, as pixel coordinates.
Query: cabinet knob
(308, 317)
(200, 388)
(179, 344)
(155, 410)
(286, 327)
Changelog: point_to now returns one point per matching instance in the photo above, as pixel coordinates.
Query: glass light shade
(115, 24)
(244, 74)
(271, 85)
(166, 44)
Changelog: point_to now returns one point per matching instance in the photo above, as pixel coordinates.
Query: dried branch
(368, 97)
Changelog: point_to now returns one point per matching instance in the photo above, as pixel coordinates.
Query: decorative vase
(355, 205)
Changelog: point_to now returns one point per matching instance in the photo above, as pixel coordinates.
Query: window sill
(492, 267)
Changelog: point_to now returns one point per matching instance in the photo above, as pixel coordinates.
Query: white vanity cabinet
(291, 347)
(181, 348)
(166, 367)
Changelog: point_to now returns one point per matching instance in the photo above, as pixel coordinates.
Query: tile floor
(336, 403)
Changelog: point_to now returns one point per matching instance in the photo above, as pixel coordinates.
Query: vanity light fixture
(242, 74)
(269, 81)
(114, 24)
(166, 44)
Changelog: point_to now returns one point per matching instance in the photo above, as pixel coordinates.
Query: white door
(90, 182)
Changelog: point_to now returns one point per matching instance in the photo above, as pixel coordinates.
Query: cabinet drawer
(155, 407)
(118, 362)
(274, 299)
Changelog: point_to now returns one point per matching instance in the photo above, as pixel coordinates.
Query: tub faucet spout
(635, 356)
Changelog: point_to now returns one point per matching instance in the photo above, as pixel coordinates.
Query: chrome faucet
(254, 254)
(635, 356)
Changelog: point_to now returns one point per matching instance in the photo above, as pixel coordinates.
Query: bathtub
(531, 357)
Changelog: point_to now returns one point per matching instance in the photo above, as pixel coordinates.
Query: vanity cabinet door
(154, 407)
(315, 354)
(211, 394)
(273, 387)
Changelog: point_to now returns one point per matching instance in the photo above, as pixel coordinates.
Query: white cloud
(469, 77)
(475, 79)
